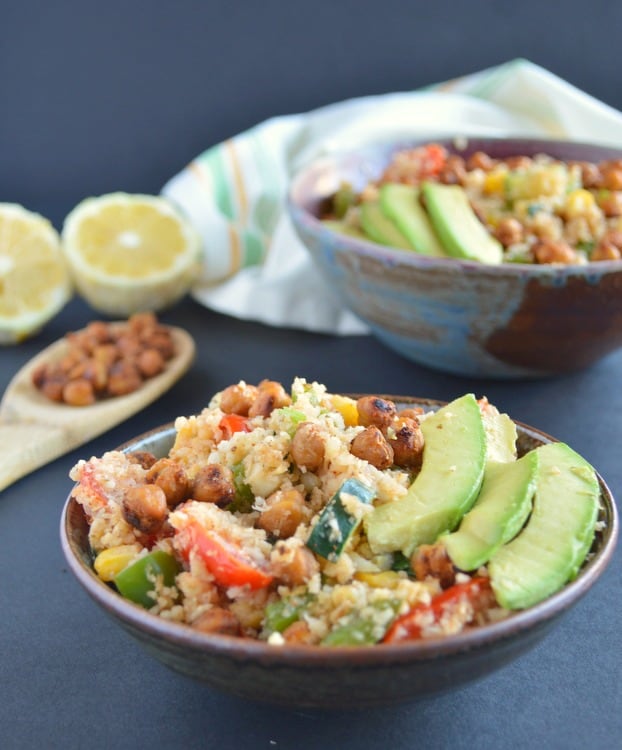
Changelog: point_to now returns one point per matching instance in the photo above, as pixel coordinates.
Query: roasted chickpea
(270, 396)
(285, 510)
(411, 413)
(406, 440)
(150, 362)
(171, 478)
(606, 251)
(213, 484)
(142, 458)
(99, 332)
(307, 447)
(123, 378)
(611, 203)
(238, 399)
(106, 354)
(129, 346)
(217, 620)
(614, 237)
(79, 392)
(591, 176)
(612, 178)
(432, 560)
(161, 340)
(481, 160)
(293, 565)
(454, 172)
(53, 385)
(370, 445)
(551, 251)
(145, 508)
(518, 162)
(139, 323)
(509, 231)
(377, 411)
(299, 632)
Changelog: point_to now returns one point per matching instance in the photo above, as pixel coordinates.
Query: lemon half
(34, 279)
(130, 252)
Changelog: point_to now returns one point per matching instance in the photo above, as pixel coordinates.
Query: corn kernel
(347, 408)
(494, 182)
(578, 203)
(112, 561)
(388, 579)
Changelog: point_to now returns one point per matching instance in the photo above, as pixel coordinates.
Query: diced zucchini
(336, 524)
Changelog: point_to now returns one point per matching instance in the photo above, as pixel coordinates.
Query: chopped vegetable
(411, 626)
(280, 614)
(110, 562)
(138, 581)
(337, 523)
(232, 423)
(244, 497)
(364, 629)
(224, 559)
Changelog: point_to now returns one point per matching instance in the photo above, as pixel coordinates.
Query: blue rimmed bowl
(467, 318)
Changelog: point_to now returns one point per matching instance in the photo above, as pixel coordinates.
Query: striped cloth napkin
(255, 267)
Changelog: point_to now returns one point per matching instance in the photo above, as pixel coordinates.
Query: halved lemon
(130, 252)
(34, 279)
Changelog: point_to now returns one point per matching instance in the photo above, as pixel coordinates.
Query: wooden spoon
(35, 430)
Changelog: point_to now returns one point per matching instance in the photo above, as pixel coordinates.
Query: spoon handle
(25, 446)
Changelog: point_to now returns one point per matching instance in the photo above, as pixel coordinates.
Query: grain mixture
(254, 525)
(541, 209)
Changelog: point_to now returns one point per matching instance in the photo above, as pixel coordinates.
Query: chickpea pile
(106, 360)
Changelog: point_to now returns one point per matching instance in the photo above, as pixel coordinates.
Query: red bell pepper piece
(434, 158)
(232, 423)
(229, 565)
(409, 627)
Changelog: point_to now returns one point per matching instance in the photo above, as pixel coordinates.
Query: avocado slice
(501, 435)
(336, 225)
(558, 535)
(379, 228)
(460, 231)
(501, 509)
(445, 488)
(400, 203)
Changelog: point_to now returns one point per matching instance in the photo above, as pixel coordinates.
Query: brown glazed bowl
(334, 677)
(505, 321)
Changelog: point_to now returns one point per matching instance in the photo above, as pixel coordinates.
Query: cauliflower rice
(234, 506)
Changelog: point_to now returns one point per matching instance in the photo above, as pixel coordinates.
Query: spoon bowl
(35, 430)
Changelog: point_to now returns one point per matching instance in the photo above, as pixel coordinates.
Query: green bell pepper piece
(244, 498)
(279, 615)
(363, 631)
(136, 582)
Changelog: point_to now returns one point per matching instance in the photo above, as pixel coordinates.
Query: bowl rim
(481, 636)
(308, 174)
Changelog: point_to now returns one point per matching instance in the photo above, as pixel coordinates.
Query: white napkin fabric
(254, 265)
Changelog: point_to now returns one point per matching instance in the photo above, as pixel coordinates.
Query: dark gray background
(96, 97)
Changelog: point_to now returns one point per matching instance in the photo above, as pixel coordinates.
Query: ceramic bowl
(467, 318)
(336, 677)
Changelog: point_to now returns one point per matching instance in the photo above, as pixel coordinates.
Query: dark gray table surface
(119, 96)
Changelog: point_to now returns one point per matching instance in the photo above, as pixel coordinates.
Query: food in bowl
(306, 517)
(105, 360)
(521, 209)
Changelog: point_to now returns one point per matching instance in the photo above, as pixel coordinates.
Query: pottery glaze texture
(467, 318)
